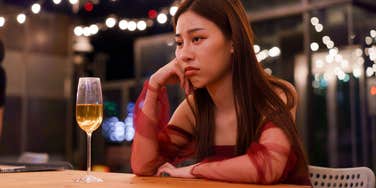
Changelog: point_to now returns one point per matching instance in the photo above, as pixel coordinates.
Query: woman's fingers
(184, 82)
(180, 73)
(165, 168)
(172, 73)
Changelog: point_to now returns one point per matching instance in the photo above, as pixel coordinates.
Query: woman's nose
(185, 54)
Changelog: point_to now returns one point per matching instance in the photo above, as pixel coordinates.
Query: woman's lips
(190, 71)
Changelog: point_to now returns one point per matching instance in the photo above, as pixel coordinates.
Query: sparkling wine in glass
(89, 115)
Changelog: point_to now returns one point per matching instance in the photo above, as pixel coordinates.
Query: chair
(34, 158)
(41, 160)
(341, 177)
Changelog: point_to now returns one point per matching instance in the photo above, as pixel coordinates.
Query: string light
(357, 72)
(330, 45)
(132, 25)
(372, 53)
(56, 2)
(110, 22)
(73, 2)
(93, 29)
(21, 18)
(162, 18)
(87, 31)
(274, 52)
(319, 27)
(325, 39)
(333, 51)
(373, 33)
(368, 40)
(173, 10)
(262, 55)
(78, 31)
(141, 25)
(314, 21)
(256, 48)
(35, 8)
(123, 24)
(2, 21)
(369, 72)
(314, 46)
(336, 65)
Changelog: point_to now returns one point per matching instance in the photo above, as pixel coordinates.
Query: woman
(237, 122)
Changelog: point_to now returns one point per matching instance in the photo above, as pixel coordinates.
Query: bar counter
(65, 178)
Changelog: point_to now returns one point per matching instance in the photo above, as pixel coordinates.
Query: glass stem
(88, 153)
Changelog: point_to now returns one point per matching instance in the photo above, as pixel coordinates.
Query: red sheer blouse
(265, 162)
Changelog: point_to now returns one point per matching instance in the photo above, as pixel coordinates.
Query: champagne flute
(89, 115)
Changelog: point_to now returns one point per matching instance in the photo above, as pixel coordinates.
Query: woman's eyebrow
(190, 31)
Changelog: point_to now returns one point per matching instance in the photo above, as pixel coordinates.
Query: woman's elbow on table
(141, 172)
(141, 169)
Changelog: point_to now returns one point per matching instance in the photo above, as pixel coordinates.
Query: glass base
(89, 179)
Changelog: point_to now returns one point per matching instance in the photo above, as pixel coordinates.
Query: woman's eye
(196, 39)
(178, 43)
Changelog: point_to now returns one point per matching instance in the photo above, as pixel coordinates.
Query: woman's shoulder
(284, 90)
(287, 93)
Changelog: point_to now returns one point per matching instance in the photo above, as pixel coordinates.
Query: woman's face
(202, 50)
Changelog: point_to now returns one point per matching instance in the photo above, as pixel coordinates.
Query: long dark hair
(255, 97)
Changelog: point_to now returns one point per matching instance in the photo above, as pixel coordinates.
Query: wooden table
(65, 179)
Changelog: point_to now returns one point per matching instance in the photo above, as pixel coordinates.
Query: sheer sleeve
(155, 141)
(148, 126)
(264, 162)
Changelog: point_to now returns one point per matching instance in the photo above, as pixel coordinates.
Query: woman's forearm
(145, 159)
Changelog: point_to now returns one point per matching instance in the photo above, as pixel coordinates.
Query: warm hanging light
(256, 48)
(2, 21)
(87, 31)
(141, 25)
(73, 2)
(173, 10)
(123, 24)
(368, 40)
(110, 22)
(35, 8)
(314, 46)
(373, 33)
(274, 52)
(93, 29)
(56, 2)
(132, 25)
(325, 39)
(162, 18)
(319, 27)
(21, 18)
(314, 21)
(78, 31)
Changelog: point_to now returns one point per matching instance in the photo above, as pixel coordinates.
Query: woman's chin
(197, 85)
